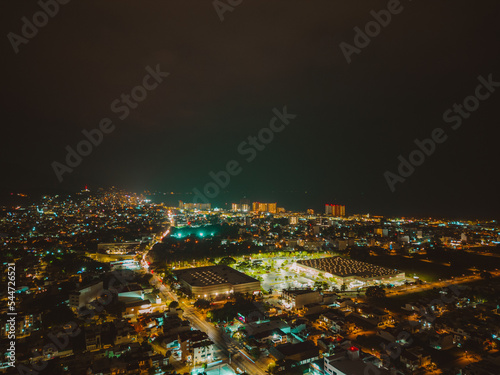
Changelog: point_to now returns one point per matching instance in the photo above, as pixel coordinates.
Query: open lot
(283, 280)
(458, 264)
(274, 273)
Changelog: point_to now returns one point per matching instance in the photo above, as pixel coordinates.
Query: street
(227, 348)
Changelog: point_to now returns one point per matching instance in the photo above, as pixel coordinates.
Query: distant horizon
(289, 203)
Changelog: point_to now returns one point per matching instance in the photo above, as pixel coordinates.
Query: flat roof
(289, 349)
(298, 292)
(213, 275)
(344, 267)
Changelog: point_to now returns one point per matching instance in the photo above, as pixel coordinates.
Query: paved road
(223, 342)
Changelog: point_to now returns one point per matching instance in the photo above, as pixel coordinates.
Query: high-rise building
(195, 206)
(241, 207)
(265, 207)
(335, 210)
(256, 206)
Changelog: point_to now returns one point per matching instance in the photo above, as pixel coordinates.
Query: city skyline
(9, 198)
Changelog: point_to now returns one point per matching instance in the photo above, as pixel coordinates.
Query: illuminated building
(336, 210)
(265, 207)
(196, 347)
(25, 325)
(205, 282)
(118, 247)
(298, 298)
(349, 271)
(83, 296)
(195, 206)
(240, 207)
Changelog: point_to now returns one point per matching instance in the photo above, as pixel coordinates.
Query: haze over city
(226, 77)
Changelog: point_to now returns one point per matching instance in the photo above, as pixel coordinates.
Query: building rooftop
(298, 292)
(213, 275)
(347, 267)
(302, 348)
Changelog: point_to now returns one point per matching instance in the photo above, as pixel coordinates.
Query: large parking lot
(283, 280)
(275, 273)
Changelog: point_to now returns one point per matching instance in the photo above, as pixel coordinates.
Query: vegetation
(227, 261)
(375, 292)
(320, 285)
(202, 304)
(230, 310)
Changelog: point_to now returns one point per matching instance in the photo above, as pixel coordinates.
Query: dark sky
(353, 120)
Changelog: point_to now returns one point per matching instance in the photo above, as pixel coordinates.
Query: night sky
(353, 120)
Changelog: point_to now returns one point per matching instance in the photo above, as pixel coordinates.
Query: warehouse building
(349, 271)
(211, 281)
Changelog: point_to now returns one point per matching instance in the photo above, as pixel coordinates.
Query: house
(377, 317)
(125, 333)
(203, 352)
(174, 325)
(295, 354)
(314, 334)
(314, 308)
(196, 347)
(352, 361)
(336, 323)
(329, 298)
(345, 304)
(443, 341)
(327, 345)
(25, 325)
(415, 358)
(272, 337)
(93, 338)
(317, 367)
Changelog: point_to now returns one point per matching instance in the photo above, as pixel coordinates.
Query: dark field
(455, 263)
